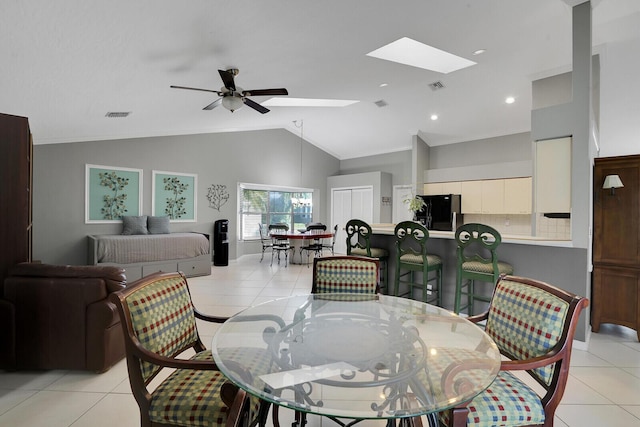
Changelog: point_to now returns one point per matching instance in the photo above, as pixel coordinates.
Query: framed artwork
(174, 195)
(111, 192)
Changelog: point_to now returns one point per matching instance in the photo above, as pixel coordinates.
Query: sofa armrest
(113, 277)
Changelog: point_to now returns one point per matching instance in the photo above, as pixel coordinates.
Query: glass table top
(356, 356)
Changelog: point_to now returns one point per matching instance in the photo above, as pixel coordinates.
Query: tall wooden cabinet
(616, 244)
(16, 150)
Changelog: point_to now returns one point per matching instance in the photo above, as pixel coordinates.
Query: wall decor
(217, 195)
(111, 192)
(174, 195)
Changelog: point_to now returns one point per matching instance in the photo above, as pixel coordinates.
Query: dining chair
(359, 243)
(331, 246)
(315, 245)
(280, 242)
(265, 239)
(533, 324)
(345, 274)
(159, 323)
(411, 257)
(477, 260)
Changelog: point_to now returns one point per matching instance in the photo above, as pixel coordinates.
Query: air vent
(117, 114)
(436, 85)
(381, 103)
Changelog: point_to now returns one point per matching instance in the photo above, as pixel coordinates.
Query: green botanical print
(114, 204)
(174, 207)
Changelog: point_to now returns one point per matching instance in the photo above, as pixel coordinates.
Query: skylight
(410, 52)
(306, 102)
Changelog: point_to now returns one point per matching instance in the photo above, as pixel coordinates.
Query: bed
(141, 255)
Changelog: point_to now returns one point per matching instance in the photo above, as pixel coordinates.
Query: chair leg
(396, 287)
(439, 284)
(456, 306)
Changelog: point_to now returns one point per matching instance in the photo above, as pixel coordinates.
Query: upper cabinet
(517, 195)
(553, 175)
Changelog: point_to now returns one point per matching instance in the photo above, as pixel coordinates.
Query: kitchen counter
(387, 229)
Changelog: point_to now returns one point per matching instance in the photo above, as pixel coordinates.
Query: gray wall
(398, 164)
(271, 157)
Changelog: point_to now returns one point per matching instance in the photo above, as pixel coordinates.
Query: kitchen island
(554, 261)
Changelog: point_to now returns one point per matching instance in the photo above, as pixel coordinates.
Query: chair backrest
(316, 226)
(345, 274)
(358, 236)
(279, 228)
(159, 318)
(411, 239)
(527, 319)
(264, 236)
(478, 243)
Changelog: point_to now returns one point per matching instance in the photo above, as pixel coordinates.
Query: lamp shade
(612, 181)
(232, 103)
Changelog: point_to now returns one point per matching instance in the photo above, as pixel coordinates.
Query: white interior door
(362, 204)
(400, 210)
(340, 214)
(346, 204)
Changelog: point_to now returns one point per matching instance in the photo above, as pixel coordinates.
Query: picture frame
(111, 192)
(174, 195)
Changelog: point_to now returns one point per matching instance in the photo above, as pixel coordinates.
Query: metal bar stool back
(359, 243)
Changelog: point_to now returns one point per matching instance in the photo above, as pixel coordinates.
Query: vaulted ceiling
(66, 64)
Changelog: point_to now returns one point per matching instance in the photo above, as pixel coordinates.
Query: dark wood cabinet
(16, 174)
(616, 244)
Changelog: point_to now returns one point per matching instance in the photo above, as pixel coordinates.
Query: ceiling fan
(233, 97)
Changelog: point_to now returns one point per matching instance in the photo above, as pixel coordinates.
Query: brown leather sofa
(61, 317)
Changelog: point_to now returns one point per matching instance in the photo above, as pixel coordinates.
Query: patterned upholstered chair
(359, 244)
(159, 322)
(533, 324)
(345, 274)
(477, 261)
(411, 257)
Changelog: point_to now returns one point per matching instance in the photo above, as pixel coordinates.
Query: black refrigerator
(442, 212)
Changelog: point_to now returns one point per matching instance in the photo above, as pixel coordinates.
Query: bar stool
(358, 243)
(411, 256)
(477, 260)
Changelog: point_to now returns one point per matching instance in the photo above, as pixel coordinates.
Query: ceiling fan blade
(265, 92)
(259, 108)
(195, 88)
(214, 104)
(227, 79)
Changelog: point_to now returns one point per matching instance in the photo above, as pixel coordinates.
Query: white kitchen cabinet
(471, 192)
(454, 187)
(433, 189)
(553, 175)
(517, 195)
(493, 196)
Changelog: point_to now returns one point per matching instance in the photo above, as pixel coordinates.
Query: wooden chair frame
(359, 237)
(488, 239)
(560, 354)
(235, 398)
(411, 239)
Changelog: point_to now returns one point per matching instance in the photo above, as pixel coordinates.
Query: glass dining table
(356, 357)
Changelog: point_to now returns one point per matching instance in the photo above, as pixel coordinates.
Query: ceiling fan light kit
(233, 97)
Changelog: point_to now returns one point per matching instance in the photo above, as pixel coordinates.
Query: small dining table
(297, 238)
(356, 356)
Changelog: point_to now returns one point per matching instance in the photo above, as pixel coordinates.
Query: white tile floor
(603, 390)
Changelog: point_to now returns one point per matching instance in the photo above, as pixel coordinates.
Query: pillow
(158, 224)
(134, 225)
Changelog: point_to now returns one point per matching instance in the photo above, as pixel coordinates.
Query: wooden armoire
(616, 244)
(16, 150)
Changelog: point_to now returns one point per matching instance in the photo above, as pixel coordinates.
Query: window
(264, 205)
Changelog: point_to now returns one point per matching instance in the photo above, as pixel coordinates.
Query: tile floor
(603, 390)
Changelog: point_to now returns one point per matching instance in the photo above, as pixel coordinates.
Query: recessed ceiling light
(410, 52)
(479, 51)
(384, 84)
(510, 100)
(434, 117)
(307, 102)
